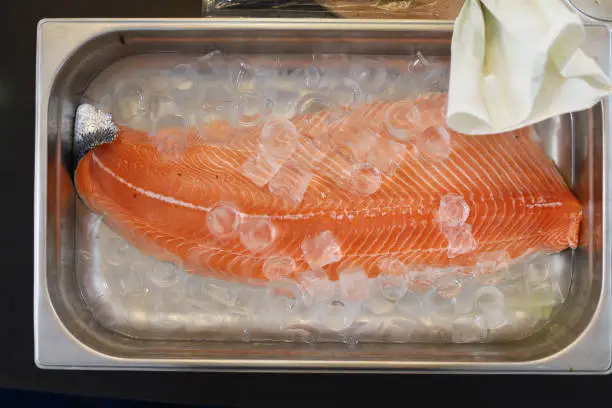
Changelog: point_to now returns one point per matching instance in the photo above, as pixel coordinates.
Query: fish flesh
(383, 183)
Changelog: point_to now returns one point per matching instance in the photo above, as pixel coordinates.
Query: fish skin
(518, 201)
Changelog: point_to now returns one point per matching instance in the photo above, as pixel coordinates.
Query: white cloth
(517, 62)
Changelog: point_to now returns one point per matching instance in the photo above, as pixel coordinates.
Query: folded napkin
(517, 62)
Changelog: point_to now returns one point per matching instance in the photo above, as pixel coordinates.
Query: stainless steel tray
(70, 333)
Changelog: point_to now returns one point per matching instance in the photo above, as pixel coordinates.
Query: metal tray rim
(59, 349)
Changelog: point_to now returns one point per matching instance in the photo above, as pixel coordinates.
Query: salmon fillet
(385, 184)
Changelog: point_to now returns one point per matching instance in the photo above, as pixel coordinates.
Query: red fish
(383, 185)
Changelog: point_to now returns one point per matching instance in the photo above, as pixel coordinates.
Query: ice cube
(317, 284)
(280, 80)
(165, 109)
(411, 304)
(321, 250)
(448, 286)
(386, 155)
(165, 274)
(418, 63)
(158, 82)
(284, 296)
(399, 329)
(184, 82)
(266, 78)
(513, 273)
(243, 77)
(354, 284)
(538, 272)
(284, 287)
(259, 170)
(250, 301)
(171, 123)
(312, 76)
(465, 329)
(500, 259)
(460, 240)
(488, 298)
(491, 267)
(279, 138)
(130, 100)
(172, 145)
(284, 101)
(441, 309)
(251, 109)
(402, 121)
(346, 93)
(337, 315)
(393, 88)
(368, 328)
(278, 267)
(223, 221)
(392, 287)
(216, 62)
(392, 267)
(492, 319)
(308, 77)
(313, 103)
(363, 180)
(545, 294)
(222, 294)
(216, 94)
(370, 74)
(386, 291)
(453, 211)
(420, 280)
(330, 63)
(204, 117)
(213, 128)
(290, 183)
(434, 143)
(257, 234)
(377, 304)
(355, 146)
(436, 80)
(464, 301)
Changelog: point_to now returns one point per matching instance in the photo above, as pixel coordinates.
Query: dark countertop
(17, 369)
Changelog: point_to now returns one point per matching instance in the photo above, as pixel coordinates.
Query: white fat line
(171, 200)
(544, 205)
(150, 194)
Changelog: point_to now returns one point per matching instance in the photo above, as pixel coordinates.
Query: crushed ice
(321, 250)
(223, 221)
(218, 93)
(257, 234)
(401, 304)
(278, 267)
(354, 284)
(453, 210)
(290, 183)
(452, 214)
